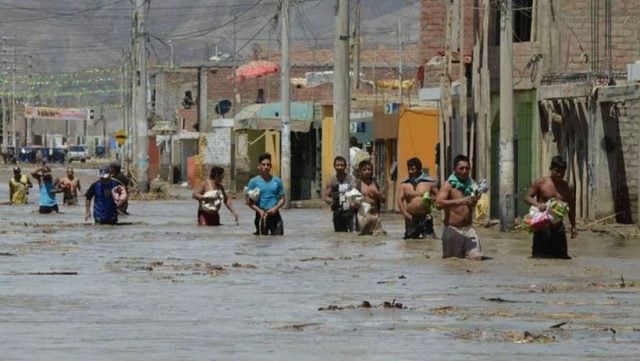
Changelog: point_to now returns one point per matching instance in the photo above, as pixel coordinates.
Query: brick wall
(433, 34)
(619, 110)
(171, 87)
(570, 38)
(575, 33)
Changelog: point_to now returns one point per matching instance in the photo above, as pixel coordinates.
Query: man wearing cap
(48, 189)
(551, 242)
(107, 194)
(19, 187)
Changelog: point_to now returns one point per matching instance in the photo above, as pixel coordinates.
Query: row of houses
(576, 93)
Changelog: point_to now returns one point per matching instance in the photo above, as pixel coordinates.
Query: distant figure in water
(19, 186)
(107, 194)
(48, 189)
(265, 195)
(71, 186)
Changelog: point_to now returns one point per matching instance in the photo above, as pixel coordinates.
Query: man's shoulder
(256, 178)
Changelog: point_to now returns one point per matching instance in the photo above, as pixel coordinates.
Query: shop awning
(267, 117)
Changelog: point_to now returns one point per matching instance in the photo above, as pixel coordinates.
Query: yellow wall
(327, 145)
(272, 146)
(261, 141)
(417, 137)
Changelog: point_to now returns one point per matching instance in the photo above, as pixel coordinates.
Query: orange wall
(327, 145)
(417, 137)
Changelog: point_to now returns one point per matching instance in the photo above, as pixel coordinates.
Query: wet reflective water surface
(161, 288)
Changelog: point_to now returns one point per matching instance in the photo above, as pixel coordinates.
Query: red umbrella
(256, 69)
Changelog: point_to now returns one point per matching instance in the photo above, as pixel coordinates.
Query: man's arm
(36, 174)
(328, 198)
(198, 193)
(401, 202)
(379, 194)
(58, 187)
(572, 211)
(443, 201)
(87, 204)
(531, 197)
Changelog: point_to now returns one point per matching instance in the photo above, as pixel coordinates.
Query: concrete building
(574, 94)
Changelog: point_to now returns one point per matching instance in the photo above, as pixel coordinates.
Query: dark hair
(414, 162)
(557, 162)
(216, 171)
(115, 166)
(365, 162)
(460, 158)
(264, 156)
(339, 158)
(353, 142)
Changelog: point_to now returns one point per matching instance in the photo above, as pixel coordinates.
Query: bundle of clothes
(213, 201)
(553, 214)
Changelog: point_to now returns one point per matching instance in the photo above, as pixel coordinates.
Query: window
(522, 11)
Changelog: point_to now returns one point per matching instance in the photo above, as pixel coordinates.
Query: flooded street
(161, 288)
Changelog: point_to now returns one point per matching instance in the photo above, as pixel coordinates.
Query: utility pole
(140, 106)
(507, 200)
(356, 46)
(445, 98)
(4, 101)
(285, 96)
(13, 87)
(341, 96)
(104, 128)
(400, 60)
(29, 75)
(170, 53)
(203, 96)
(463, 84)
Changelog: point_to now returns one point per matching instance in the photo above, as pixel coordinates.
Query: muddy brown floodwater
(162, 288)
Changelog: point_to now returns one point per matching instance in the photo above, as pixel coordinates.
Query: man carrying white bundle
(211, 196)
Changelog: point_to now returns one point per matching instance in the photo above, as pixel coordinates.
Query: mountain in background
(75, 35)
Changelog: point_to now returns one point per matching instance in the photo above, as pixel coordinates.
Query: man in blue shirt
(109, 193)
(269, 201)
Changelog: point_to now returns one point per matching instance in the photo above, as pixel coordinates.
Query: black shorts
(343, 220)
(270, 225)
(550, 243)
(419, 227)
(48, 209)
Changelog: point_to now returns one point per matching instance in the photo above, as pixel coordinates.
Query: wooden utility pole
(356, 46)
(341, 97)
(140, 106)
(13, 86)
(400, 70)
(445, 99)
(463, 83)
(507, 198)
(4, 102)
(285, 96)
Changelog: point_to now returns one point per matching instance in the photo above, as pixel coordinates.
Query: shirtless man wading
(551, 242)
(417, 214)
(457, 198)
